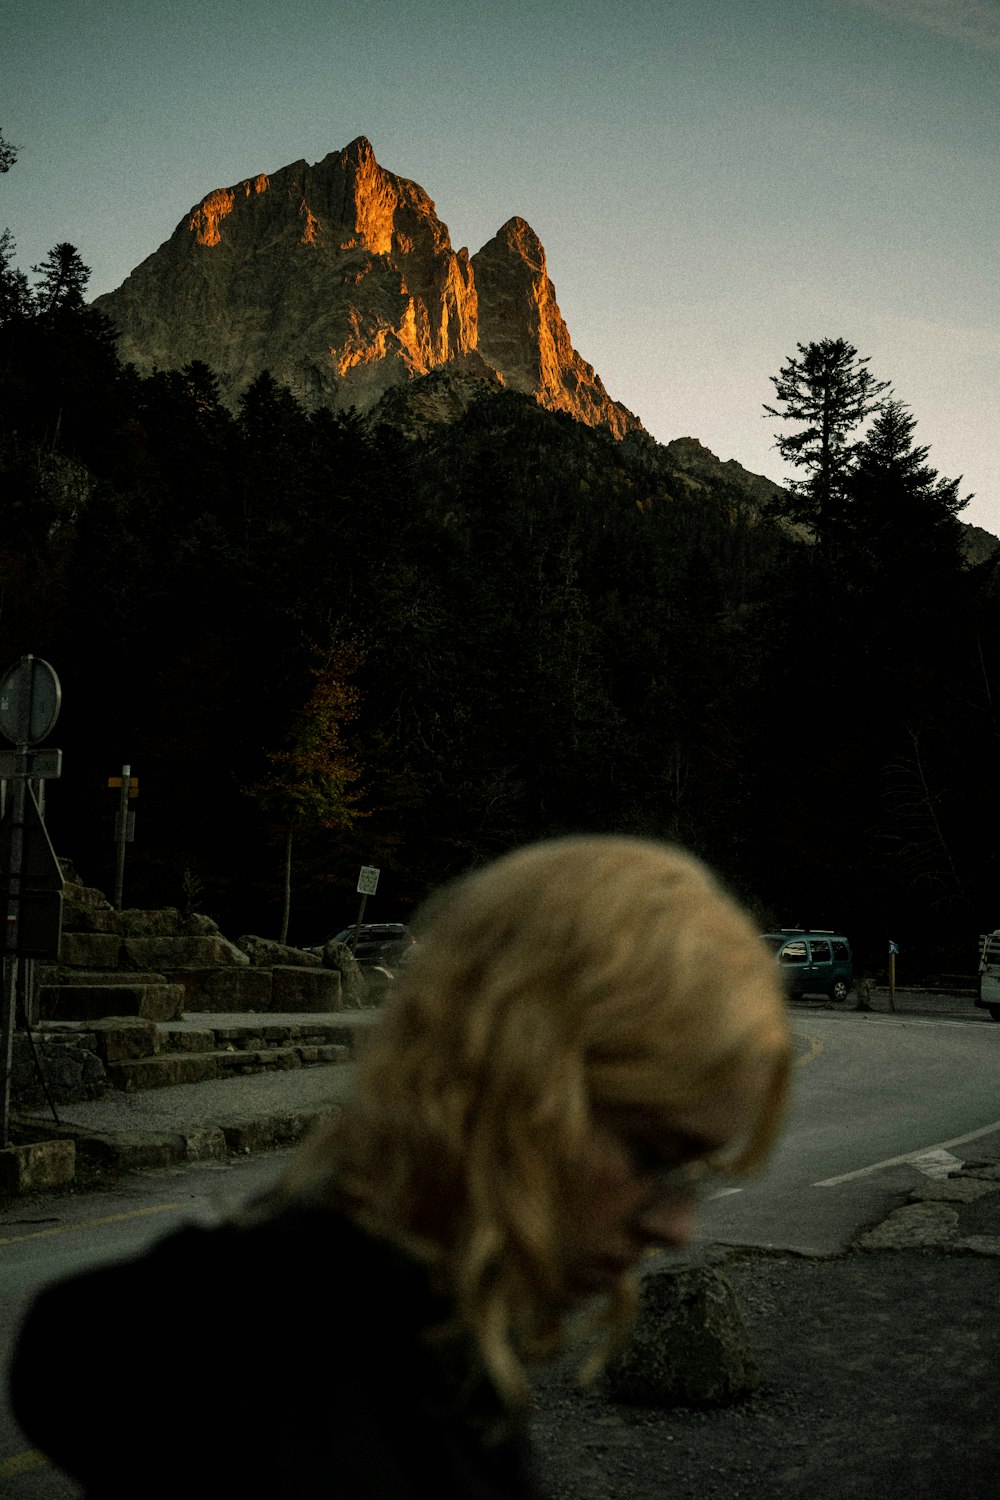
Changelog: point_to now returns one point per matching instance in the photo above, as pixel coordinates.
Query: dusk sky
(714, 181)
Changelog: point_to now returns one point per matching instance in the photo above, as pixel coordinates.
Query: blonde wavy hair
(567, 978)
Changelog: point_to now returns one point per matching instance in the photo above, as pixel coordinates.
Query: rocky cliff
(342, 281)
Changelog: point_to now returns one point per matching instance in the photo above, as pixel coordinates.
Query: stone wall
(73, 1068)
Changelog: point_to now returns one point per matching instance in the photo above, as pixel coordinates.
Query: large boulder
(265, 953)
(294, 989)
(353, 987)
(689, 1346)
(169, 953)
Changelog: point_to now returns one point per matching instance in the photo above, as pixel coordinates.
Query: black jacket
(281, 1360)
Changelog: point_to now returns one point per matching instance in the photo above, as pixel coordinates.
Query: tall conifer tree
(830, 390)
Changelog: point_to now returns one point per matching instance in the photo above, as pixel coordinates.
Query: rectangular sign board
(37, 765)
(368, 880)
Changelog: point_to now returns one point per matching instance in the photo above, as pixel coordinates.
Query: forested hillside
(317, 638)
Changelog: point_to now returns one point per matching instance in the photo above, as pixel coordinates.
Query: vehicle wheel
(841, 989)
(994, 1011)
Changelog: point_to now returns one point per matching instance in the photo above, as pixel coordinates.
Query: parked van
(988, 997)
(813, 961)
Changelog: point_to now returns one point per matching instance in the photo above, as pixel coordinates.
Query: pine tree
(8, 153)
(829, 389)
(899, 516)
(64, 279)
(15, 294)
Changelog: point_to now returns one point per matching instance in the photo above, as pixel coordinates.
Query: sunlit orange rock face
(522, 333)
(342, 281)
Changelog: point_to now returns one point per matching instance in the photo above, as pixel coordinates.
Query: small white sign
(368, 880)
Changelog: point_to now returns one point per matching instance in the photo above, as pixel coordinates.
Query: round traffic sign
(30, 698)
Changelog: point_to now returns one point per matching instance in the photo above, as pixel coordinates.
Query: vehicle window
(841, 952)
(774, 943)
(820, 952)
(793, 953)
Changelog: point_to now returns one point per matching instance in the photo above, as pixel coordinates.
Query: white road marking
(910, 1156)
(936, 1163)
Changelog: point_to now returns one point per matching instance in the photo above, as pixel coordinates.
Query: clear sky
(714, 181)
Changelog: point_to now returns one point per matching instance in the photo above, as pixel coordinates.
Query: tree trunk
(287, 902)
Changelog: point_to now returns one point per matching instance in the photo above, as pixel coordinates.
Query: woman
(587, 1028)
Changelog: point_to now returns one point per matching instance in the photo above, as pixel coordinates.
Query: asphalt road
(45, 1238)
(878, 1100)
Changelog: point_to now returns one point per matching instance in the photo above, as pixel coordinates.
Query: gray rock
(196, 924)
(297, 989)
(265, 953)
(689, 1346)
(985, 1171)
(353, 988)
(180, 952)
(379, 981)
(120, 1037)
(912, 1227)
(218, 988)
(954, 1190)
(138, 922)
(978, 1244)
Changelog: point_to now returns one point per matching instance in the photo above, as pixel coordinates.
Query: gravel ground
(880, 1377)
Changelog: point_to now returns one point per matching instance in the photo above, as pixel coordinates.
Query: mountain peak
(518, 234)
(340, 278)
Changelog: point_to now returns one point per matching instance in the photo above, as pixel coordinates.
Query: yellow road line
(22, 1463)
(135, 1213)
(813, 1048)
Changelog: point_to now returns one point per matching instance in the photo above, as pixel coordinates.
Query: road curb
(935, 1216)
(75, 1156)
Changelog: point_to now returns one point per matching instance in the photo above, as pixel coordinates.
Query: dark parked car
(378, 943)
(813, 961)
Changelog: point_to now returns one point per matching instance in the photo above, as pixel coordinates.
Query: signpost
(893, 951)
(367, 886)
(128, 785)
(30, 698)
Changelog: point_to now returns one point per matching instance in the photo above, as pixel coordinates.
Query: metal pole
(8, 1011)
(39, 1070)
(357, 925)
(122, 835)
(7, 1056)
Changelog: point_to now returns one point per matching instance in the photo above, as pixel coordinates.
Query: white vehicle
(989, 973)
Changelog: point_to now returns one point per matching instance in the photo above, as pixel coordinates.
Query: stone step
(91, 950)
(90, 1002)
(88, 994)
(252, 1036)
(168, 1068)
(91, 916)
(171, 952)
(283, 989)
(128, 1054)
(52, 975)
(84, 895)
(109, 950)
(165, 921)
(85, 917)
